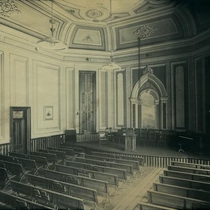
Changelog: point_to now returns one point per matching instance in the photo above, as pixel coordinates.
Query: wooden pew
(102, 187)
(40, 161)
(64, 187)
(184, 175)
(74, 148)
(182, 191)
(51, 158)
(185, 183)
(15, 169)
(110, 178)
(124, 156)
(135, 164)
(69, 152)
(8, 158)
(60, 154)
(15, 154)
(189, 170)
(174, 201)
(121, 173)
(15, 202)
(149, 206)
(29, 165)
(3, 178)
(190, 165)
(50, 197)
(128, 168)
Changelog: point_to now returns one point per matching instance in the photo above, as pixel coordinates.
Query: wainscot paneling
(89, 137)
(44, 142)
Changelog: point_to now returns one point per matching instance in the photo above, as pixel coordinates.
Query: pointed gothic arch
(149, 83)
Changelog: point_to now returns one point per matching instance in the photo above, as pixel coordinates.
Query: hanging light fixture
(112, 65)
(51, 42)
(144, 31)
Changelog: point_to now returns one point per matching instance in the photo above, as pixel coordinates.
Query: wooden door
(20, 129)
(19, 134)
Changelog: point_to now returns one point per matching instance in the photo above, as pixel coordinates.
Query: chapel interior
(122, 86)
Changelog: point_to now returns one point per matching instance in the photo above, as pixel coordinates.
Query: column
(157, 114)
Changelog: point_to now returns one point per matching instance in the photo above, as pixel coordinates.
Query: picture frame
(48, 112)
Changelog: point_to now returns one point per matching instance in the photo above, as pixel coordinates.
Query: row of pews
(62, 178)
(182, 186)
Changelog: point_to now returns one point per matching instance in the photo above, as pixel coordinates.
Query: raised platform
(153, 157)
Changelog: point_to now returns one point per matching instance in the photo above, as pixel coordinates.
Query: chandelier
(112, 65)
(8, 7)
(51, 43)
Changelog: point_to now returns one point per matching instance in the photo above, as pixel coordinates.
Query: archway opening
(148, 110)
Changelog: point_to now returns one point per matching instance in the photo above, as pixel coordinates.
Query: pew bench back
(70, 189)
(15, 169)
(183, 175)
(135, 164)
(60, 200)
(185, 183)
(128, 168)
(121, 156)
(189, 170)
(174, 201)
(60, 154)
(40, 161)
(182, 191)
(3, 178)
(20, 203)
(69, 152)
(190, 165)
(51, 158)
(110, 178)
(149, 206)
(121, 173)
(99, 185)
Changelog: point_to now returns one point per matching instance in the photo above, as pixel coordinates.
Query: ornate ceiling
(102, 11)
(105, 24)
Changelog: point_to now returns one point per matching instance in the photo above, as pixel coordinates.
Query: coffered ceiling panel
(161, 30)
(88, 37)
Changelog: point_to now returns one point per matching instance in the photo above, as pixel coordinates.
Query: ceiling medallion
(94, 13)
(8, 7)
(145, 31)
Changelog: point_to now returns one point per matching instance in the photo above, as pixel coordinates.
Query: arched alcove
(149, 102)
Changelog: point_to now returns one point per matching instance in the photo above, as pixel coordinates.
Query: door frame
(27, 117)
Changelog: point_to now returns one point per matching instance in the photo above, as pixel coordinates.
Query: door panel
(20, 129)
(87, 102)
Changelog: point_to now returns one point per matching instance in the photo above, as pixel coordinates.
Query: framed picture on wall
(48, 112)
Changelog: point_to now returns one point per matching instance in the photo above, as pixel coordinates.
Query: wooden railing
(5, 148)
(87, 137)
(160, 161)
(44, 142)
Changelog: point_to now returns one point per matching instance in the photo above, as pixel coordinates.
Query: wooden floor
(128, 195)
